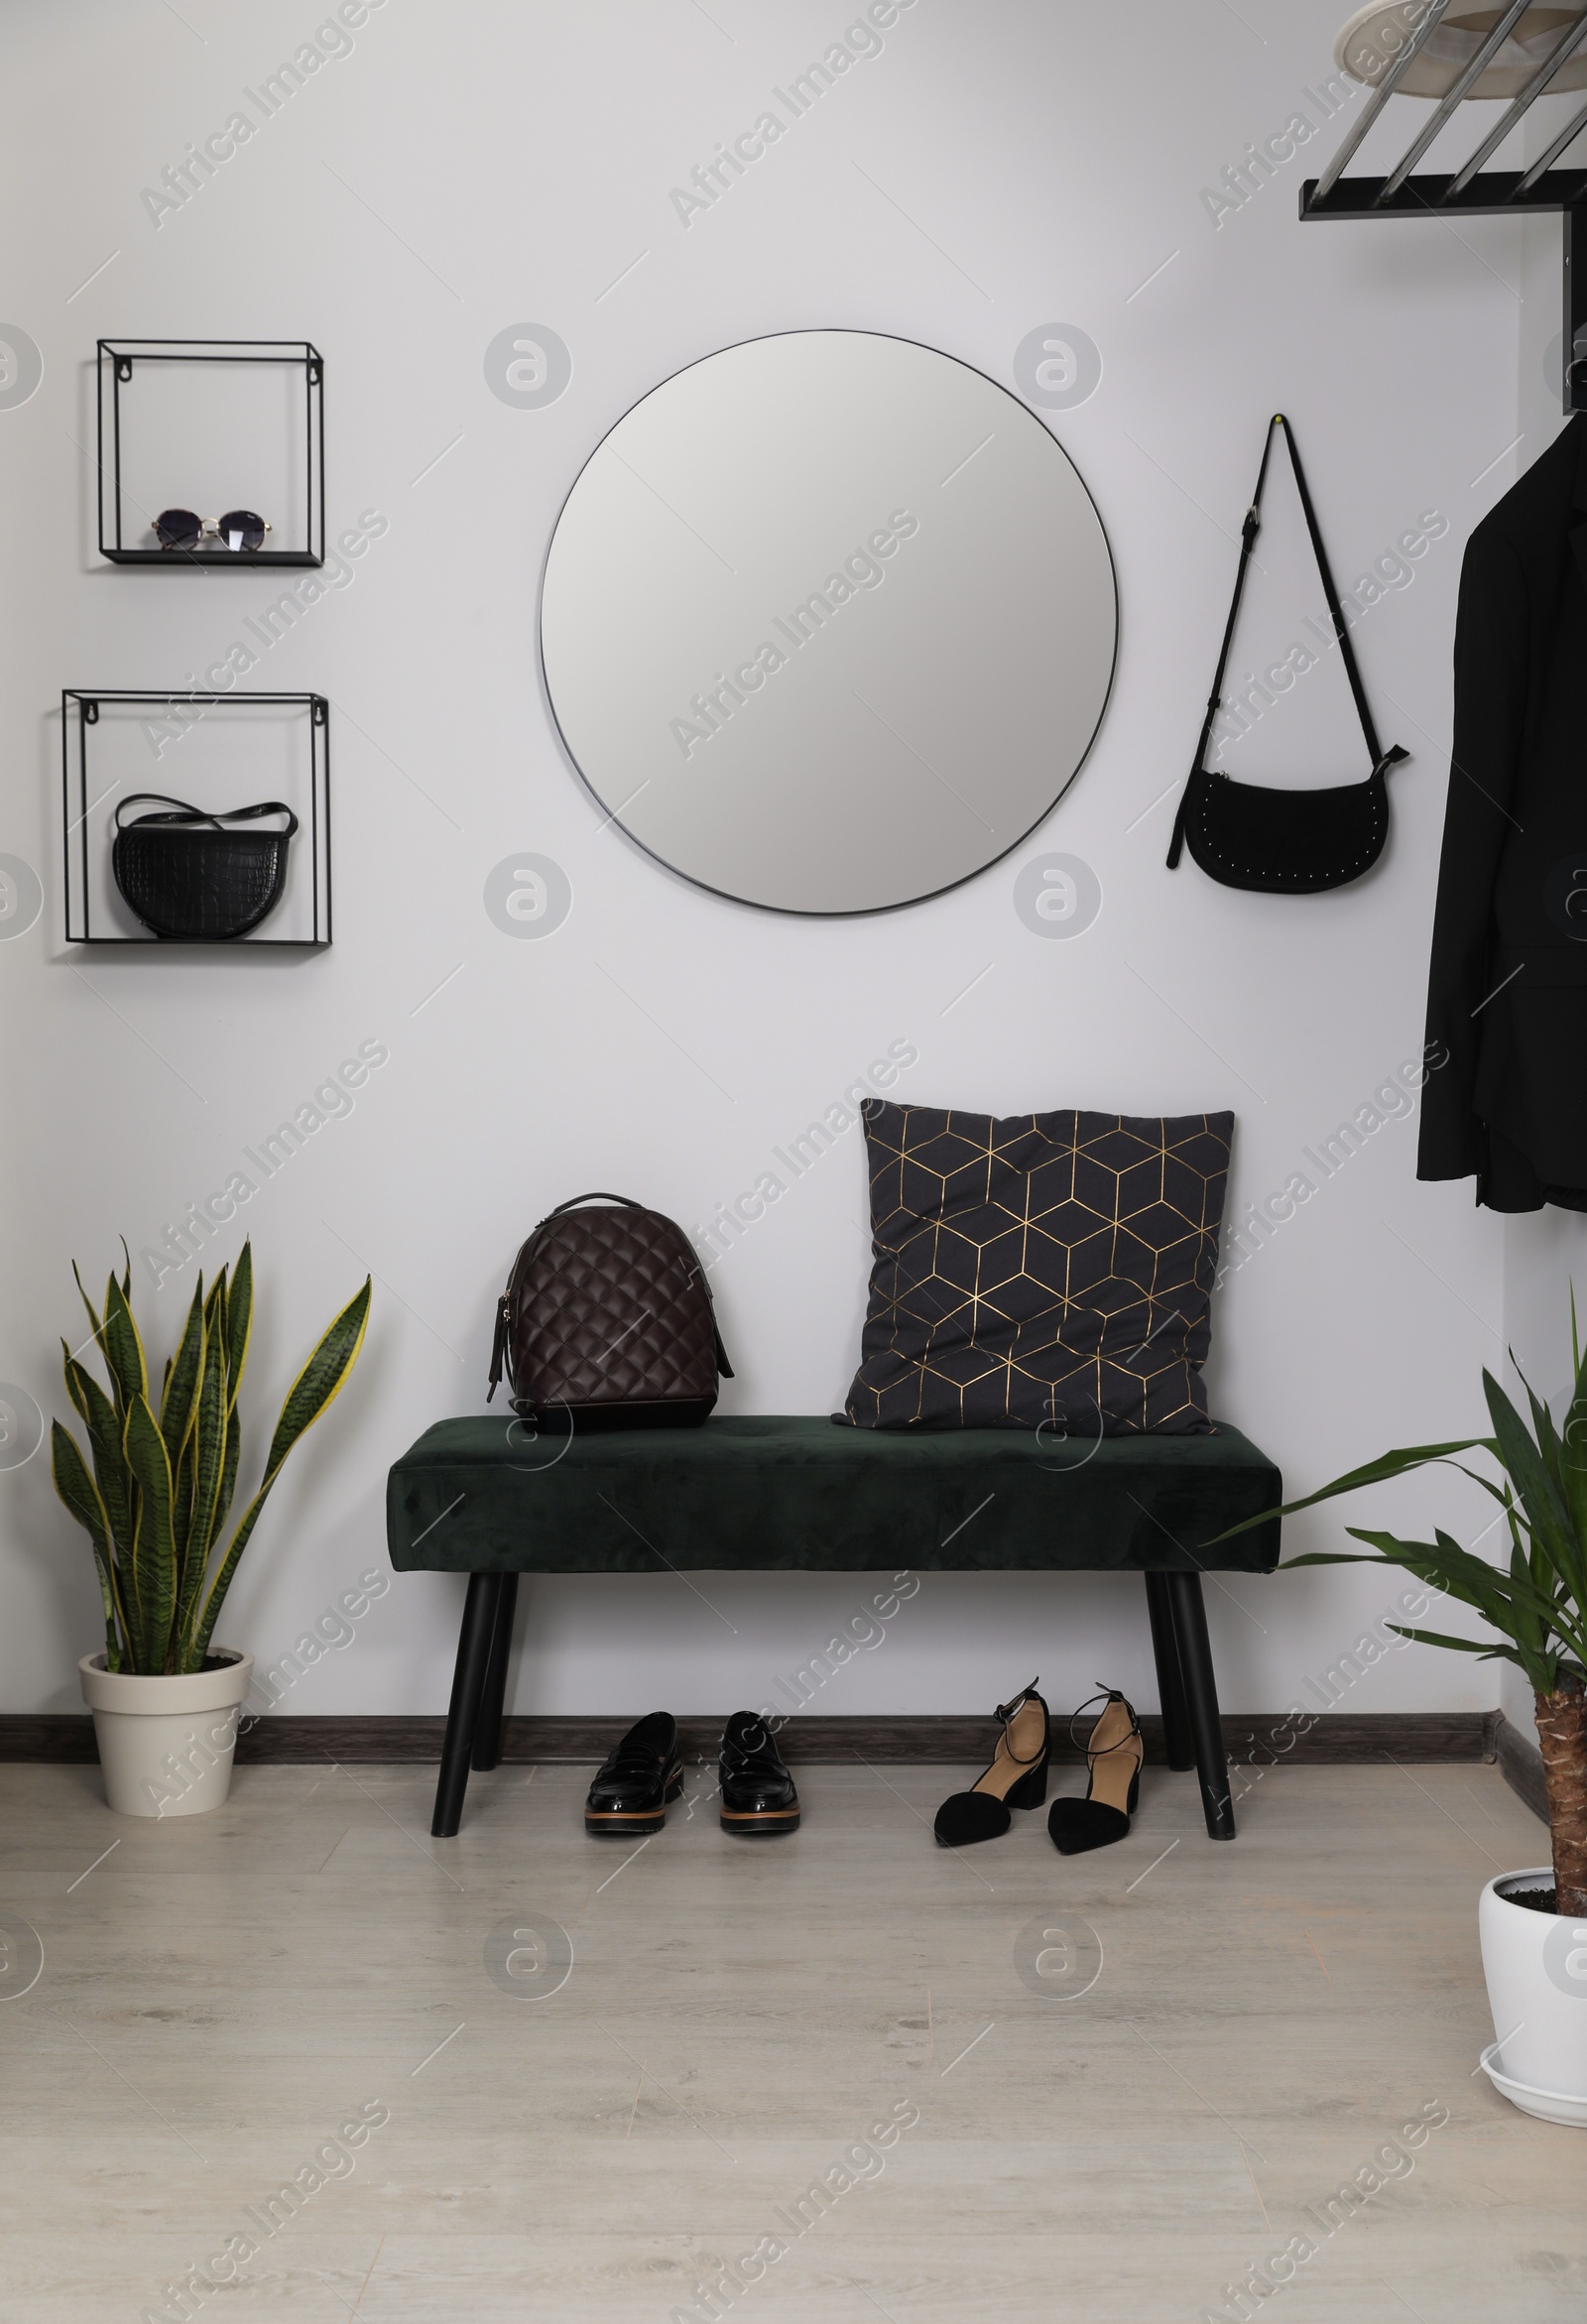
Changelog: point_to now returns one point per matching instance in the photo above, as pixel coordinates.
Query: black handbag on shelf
(186, 876)
(1284, 842)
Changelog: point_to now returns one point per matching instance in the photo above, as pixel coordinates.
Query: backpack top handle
(578, 1201)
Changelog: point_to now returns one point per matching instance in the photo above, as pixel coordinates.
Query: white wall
(465, 170)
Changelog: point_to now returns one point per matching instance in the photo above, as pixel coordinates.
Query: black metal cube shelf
(94, 912)
(120, 361)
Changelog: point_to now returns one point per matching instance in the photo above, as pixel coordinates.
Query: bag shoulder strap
(1248, 536)
(188, 814)
(1335, 613)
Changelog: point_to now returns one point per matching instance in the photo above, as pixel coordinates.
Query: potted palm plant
(153, 1497)
(1532, 1924)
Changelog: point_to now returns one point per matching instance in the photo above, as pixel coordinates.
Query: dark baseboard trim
(43, 1736)
(1267, 1739)
(1357, 1737)
(1521, 1763)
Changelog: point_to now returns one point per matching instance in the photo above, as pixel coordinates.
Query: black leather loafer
(629, 1796)
(759, 1801)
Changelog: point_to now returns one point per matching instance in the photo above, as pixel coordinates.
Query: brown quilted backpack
(607, 1317)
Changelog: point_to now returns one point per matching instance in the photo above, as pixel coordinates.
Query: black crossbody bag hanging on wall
(1284, 842)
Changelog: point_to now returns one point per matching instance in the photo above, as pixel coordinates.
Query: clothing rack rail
(1473, 190)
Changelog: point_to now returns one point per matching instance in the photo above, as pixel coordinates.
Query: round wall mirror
(828, 622)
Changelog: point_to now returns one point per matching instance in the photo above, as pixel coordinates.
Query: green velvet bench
(490, 1498)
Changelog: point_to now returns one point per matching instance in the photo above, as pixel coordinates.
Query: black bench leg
(1201, 1697)
(488, 1728)
(468, 1684)
(1170, 1679)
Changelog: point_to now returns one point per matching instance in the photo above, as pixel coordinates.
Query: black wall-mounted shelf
(1494, 193)
(1473, 191)
(91, 904)
(119, 363)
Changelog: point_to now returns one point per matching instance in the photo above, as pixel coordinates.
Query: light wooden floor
(218, 1997)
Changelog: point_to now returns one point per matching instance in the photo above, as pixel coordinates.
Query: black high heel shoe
(1114, 1752)
(1017, 1777)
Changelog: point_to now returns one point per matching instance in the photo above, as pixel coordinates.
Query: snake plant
(156, 1499)
(1537, 1603)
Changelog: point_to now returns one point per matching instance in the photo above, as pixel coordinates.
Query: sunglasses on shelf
(237, 529)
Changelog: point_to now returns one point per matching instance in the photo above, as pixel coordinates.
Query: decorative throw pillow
(1040, 1269)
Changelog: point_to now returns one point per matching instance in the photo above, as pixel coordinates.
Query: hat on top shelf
(1377, 35)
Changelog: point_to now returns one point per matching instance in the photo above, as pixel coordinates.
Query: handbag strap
(185, 814)
(1248, 536)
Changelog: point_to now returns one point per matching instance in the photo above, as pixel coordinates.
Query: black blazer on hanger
(1506, 994)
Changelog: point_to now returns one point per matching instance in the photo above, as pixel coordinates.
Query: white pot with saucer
(1535, 1965)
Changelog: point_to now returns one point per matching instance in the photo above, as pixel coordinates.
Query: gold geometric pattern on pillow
(1039, 1271)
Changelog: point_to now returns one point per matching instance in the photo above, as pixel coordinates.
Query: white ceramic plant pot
(1536, 1963)
(166, 1745)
